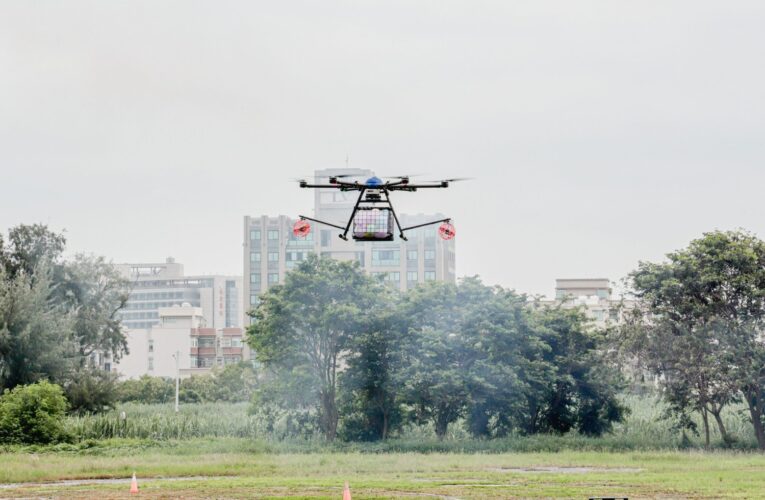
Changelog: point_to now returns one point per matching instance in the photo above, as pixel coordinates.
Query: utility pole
(177, 357)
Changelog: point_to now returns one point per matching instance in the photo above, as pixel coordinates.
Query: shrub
(33, 414)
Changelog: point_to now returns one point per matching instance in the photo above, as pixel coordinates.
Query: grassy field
(219, 451)
(236, 468)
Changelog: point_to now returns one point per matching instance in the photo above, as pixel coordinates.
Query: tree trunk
(717, 413)
(385, 426)
(329, 415)
(442, 423)
(705, 420)
(755, 411)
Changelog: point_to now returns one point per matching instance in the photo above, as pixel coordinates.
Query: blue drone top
(374, 181)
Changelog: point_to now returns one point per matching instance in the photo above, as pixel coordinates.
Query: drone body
(373, 217)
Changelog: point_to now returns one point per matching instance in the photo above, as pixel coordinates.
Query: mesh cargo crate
(373, 224)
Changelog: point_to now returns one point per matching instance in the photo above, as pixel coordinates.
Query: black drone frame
(372, 200)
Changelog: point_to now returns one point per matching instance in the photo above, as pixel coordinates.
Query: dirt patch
(85, 482)
(564, 470)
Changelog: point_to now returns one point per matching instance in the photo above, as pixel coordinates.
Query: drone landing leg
(395, 217)
(344, 236)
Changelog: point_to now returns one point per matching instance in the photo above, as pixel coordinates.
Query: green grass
(248, 473)
(643, 458)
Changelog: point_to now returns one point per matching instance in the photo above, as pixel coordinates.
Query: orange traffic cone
(346, 492)
(134, 485)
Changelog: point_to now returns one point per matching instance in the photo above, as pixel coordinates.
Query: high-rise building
(270, 248)
(157, 285)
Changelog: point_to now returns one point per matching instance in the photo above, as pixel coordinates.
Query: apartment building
(271, 250)
(180, 343)
(595, 295)
(164, 284)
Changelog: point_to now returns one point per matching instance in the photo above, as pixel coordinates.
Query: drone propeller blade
(457, 179)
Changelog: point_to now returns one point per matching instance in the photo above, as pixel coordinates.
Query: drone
(373, 216)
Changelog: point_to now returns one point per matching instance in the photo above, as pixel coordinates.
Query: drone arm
(303, 217)
(443, 184)
(426, 224)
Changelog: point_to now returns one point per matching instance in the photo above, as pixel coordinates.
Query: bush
(33, 414)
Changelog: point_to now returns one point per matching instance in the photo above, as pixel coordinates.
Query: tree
(35, 334)
(369, 384)
(702, 332)
(309, 321)
(581, 391)
(94, 291)
(55, 314)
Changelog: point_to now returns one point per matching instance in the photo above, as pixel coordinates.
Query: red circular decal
(301, 228)
(446, 231)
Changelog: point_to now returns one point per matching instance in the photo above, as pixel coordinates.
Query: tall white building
(271, 250)
(157, 285)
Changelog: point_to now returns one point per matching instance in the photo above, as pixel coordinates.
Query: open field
(243, 472)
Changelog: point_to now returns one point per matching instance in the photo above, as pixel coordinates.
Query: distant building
(271, 250)
(157, 285)
(595, 295)
(182, 332)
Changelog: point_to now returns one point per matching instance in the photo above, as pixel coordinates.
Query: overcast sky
(600, 133)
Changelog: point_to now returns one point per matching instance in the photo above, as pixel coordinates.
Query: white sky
(600, 133)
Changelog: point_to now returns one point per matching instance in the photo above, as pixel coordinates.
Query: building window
(273, 234)
(255, 234)
(151, 345)
(254, 256)
(255, 278)
(151, 363)
(273, 278)
(194, 361)
(411, 276)
(194, 342)
(385, 257)
(273, 256)
(430, 254)
(411, 255)
(225, 342)
(254, 300)
(326, 236)
(430, 275)
(236, 342)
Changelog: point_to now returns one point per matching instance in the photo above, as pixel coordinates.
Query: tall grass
(644, 429)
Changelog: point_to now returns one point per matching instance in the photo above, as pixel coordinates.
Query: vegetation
(236, 469)
(33, 414)
(55, 314)
(698, 327)
(437, 354)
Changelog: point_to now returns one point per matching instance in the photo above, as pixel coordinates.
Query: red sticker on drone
(446, 231)
(301, 229)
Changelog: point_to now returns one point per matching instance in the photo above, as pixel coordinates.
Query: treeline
(230, 384)
(56, 314)
(348, 355)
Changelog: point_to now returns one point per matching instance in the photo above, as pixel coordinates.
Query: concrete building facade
(157, 285)
(182, 333)
(271, 250)
(595, 295)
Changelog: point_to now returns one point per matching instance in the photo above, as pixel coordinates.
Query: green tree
(702, 330)
(309, 321)
(582, 391)
(369, 385)
(36, 340)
